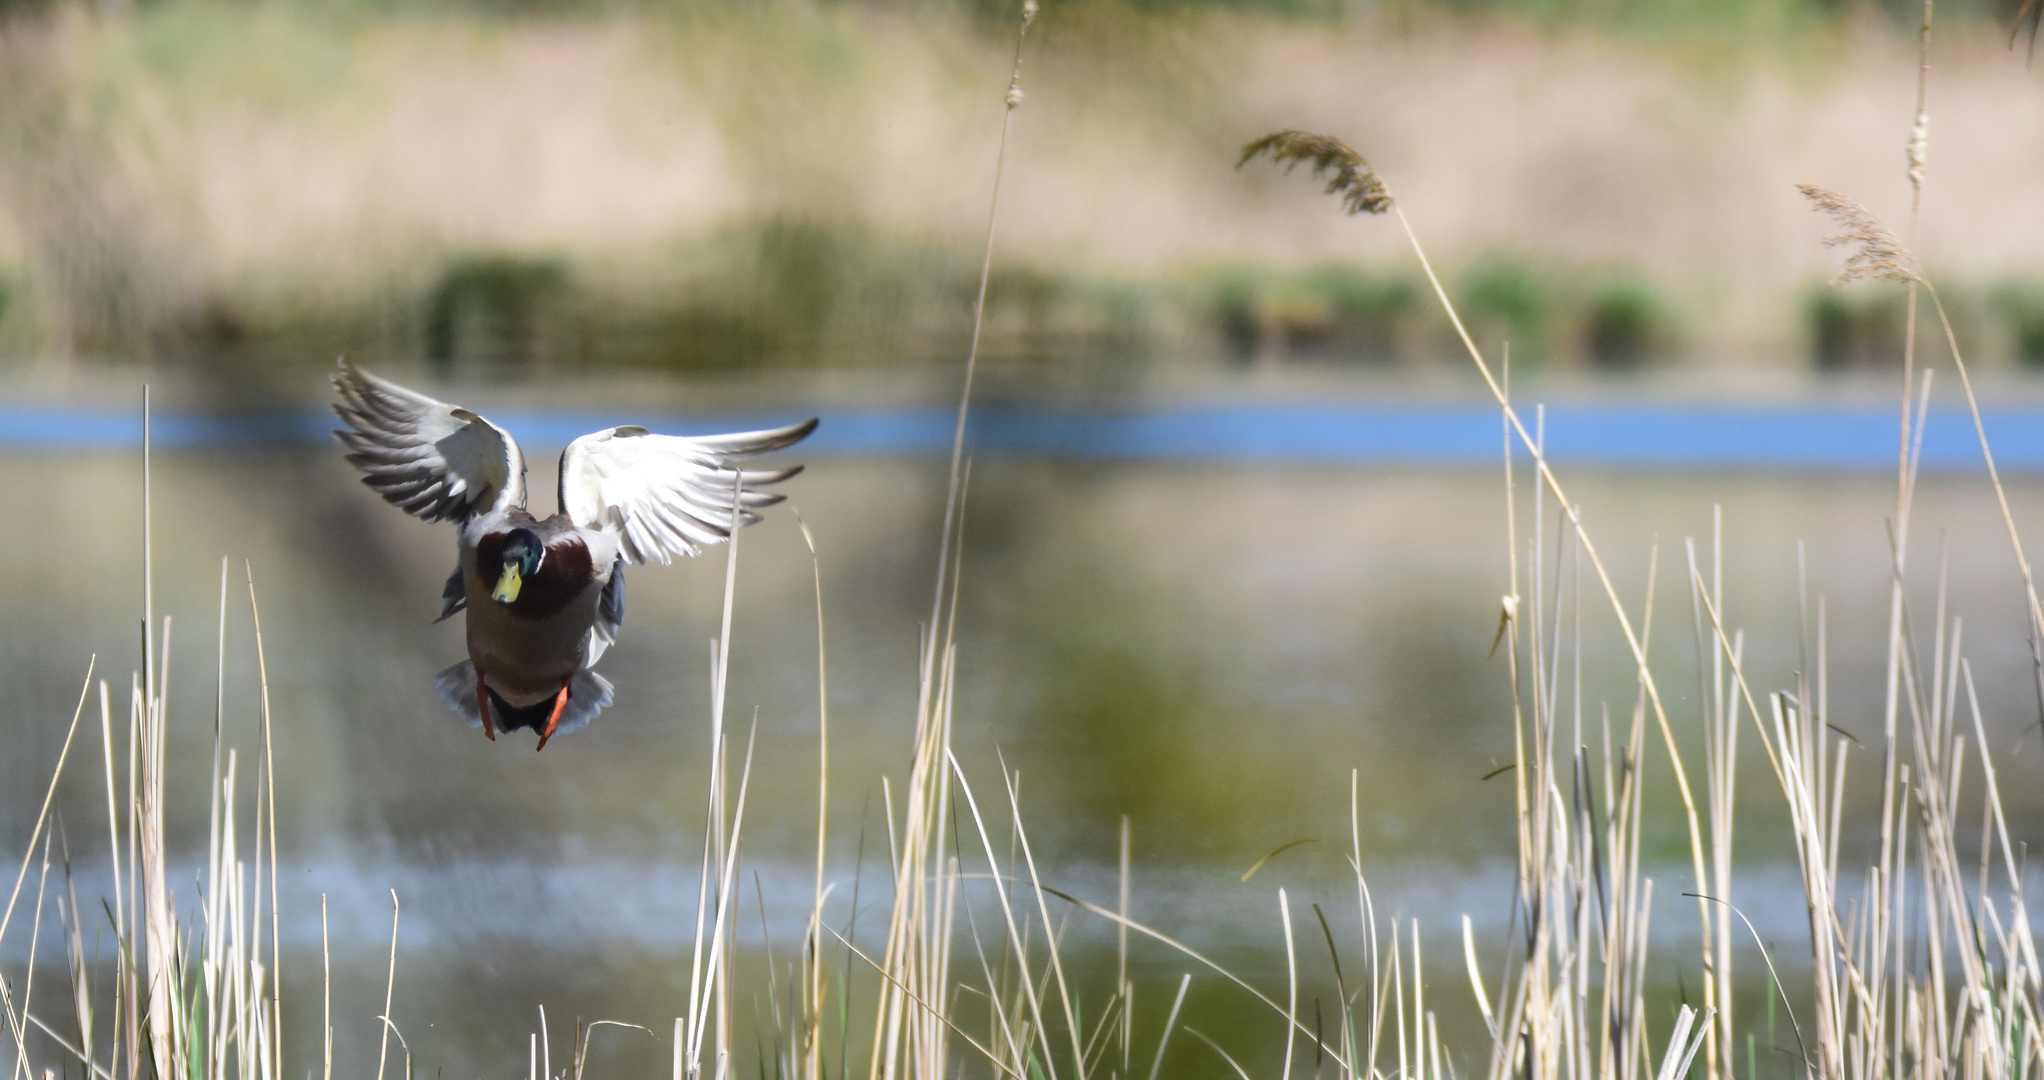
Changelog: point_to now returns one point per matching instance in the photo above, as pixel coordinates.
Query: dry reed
(1361, 191)
(199, 1002)
(1875, 253)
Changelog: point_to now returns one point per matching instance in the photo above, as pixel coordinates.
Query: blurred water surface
(1210, 649)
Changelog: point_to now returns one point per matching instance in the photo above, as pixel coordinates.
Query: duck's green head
(522, 553)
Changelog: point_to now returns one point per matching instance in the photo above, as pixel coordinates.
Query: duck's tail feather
(456, 686)
(588, 694)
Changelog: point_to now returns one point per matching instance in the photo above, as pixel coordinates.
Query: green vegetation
(1861, 329)
(812, 293)
(2021, 308)
(1626, 325)
(1337, 312)
(1855, 330)
(489, 313)
(801, 292)
(1345, 313)
(1508, 301)
(788, 291)
(804, 292)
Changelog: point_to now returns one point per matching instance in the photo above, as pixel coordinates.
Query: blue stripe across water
(1822, 437)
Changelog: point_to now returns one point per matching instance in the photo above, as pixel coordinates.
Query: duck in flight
(545, 596)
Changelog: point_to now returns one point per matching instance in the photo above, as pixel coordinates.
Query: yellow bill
(508, 584)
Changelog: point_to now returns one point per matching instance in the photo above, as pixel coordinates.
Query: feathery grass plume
(1362, 191)
(1877, 253)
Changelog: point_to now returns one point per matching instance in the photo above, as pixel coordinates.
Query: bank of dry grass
(197, 177)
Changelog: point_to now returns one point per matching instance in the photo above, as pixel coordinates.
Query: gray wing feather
(453, 596)
(588, 694)
(426, 457)
(666, 496)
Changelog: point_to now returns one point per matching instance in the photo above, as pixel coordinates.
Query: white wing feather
(426, 457)
(665, 496)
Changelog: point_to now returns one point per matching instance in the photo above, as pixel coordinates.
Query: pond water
(1209, 649)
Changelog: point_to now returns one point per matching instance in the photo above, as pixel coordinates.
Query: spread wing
(666, 496)
(426, 457)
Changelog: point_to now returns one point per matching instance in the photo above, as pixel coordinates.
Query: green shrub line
(802, 293)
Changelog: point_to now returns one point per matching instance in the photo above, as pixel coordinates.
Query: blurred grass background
(494, 189)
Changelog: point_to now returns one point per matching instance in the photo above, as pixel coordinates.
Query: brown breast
(563, 574)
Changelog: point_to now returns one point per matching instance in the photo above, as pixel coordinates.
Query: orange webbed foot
(553, 720)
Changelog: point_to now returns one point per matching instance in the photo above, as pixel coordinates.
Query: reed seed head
(1361, 190)
(1919, 149)
(1876, 252)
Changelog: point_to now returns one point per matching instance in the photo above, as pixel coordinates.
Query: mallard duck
(545, 596)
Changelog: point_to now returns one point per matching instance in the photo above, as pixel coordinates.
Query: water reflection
(1207, 649)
